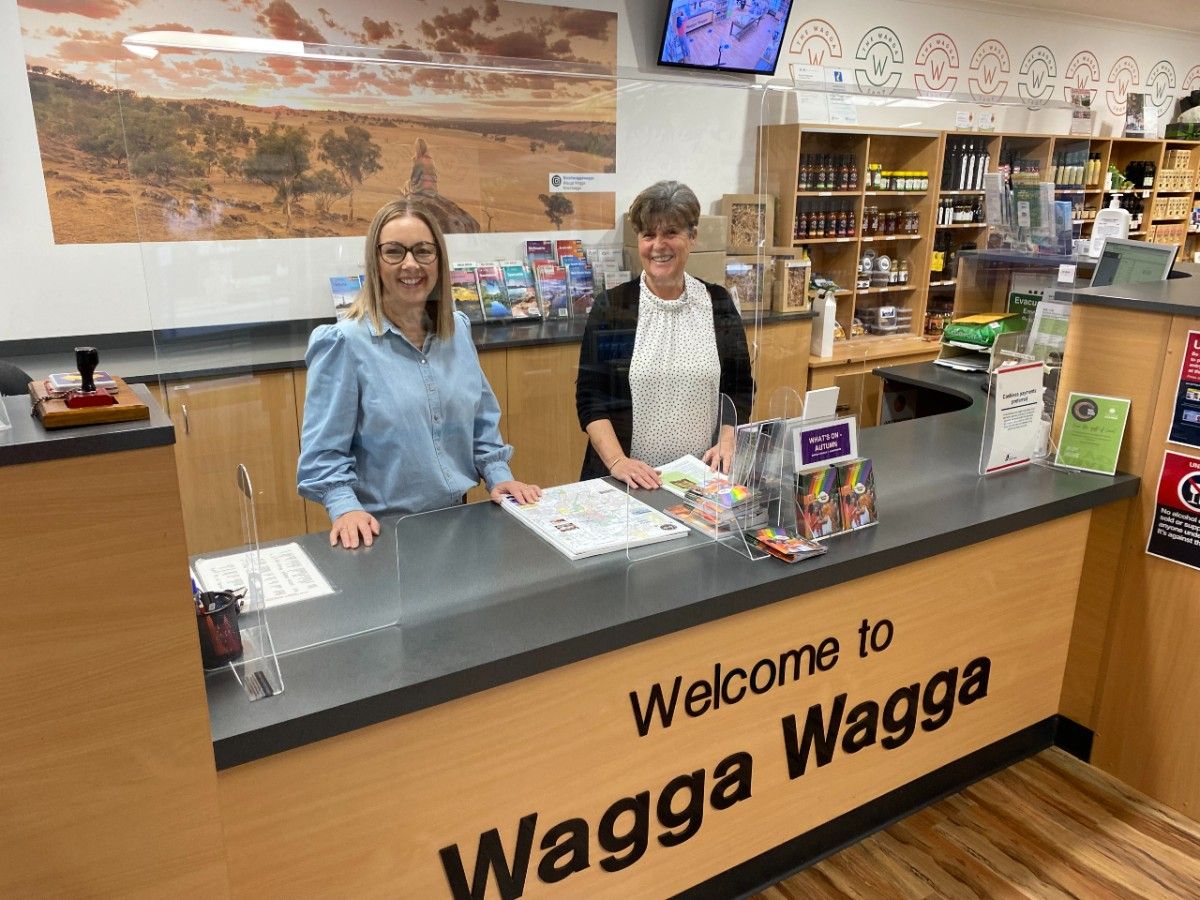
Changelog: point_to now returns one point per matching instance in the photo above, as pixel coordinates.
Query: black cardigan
(602, 385)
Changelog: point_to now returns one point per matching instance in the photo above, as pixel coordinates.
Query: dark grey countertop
(240, 349)
(477, 600)
(27, 441)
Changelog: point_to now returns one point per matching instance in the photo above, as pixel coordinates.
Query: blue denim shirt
(391, 428)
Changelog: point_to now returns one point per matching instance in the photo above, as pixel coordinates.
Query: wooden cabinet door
(781, 360)
(542, 424)
(219, 423)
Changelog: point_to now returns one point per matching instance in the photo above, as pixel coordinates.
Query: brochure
(552, 288)
(786, 544)
(465, 290)
(589, 518)
(522, 296)
(493, 295)
(686, 473)
(344, 290)
(1093, 429)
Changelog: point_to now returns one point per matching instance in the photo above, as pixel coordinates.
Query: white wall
(697, 133)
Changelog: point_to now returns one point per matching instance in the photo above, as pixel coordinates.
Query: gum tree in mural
(280, 160)
(326, 188)
(558, 208)
(354, 157)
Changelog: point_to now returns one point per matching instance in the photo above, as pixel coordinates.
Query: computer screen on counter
(727, 35)
(1133, 262)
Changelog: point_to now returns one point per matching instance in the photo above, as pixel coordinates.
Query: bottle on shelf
(1114, 222)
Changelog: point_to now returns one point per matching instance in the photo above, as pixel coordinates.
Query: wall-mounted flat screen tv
(729, 35)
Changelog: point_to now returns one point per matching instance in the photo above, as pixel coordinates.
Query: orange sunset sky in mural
(83, 38)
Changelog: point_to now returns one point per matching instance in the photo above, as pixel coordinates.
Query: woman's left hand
(518, 490)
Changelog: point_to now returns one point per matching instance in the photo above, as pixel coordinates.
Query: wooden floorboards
(1048, 827)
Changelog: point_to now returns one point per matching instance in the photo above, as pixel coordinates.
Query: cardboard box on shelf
(751, 219)
(791, 291)
(749, 279)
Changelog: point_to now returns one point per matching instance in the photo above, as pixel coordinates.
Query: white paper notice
(1066, 273)
(1016, 414)
(288, 574)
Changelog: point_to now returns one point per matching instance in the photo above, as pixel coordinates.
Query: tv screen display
(730, 35)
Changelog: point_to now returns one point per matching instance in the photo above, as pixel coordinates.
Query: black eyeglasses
(394, 252)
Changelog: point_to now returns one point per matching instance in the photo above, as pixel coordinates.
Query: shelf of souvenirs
(891, 237)
(895, 193)
(853, 192)
(961, 193)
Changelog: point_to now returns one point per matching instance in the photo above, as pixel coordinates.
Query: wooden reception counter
(692, 722)
(528, 726)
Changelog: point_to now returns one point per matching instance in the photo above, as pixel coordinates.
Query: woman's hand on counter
(635, 473)
(349, 527)
(518, 490)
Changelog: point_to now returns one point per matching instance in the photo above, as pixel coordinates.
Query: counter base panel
(368, 811)
(107, 786)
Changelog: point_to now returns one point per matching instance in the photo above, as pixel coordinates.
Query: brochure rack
(764, 455)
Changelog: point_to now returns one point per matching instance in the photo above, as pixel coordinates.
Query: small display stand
(763, 464)
(834, 486)
(1014, 434)
(258, 669)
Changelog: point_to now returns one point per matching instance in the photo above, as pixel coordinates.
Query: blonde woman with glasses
(399, 417)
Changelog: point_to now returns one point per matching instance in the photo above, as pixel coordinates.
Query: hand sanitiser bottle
(1112, 222)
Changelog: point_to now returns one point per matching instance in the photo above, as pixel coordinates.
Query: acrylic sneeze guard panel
(251, 204)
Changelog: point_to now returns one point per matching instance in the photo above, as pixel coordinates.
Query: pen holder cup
(217, 619)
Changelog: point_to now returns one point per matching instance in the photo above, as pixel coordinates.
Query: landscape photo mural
(199, 145)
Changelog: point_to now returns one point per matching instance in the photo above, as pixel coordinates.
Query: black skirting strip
(1074, 738)
(790, 857)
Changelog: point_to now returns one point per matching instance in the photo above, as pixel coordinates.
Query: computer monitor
(1132, 262)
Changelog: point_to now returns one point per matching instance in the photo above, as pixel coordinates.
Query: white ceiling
(1179, 15)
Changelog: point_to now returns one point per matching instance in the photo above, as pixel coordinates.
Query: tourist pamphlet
(787, 544)
(589, 518)
(685, 473)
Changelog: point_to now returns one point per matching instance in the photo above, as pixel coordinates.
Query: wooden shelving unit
(779, 161)
(838, 257)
